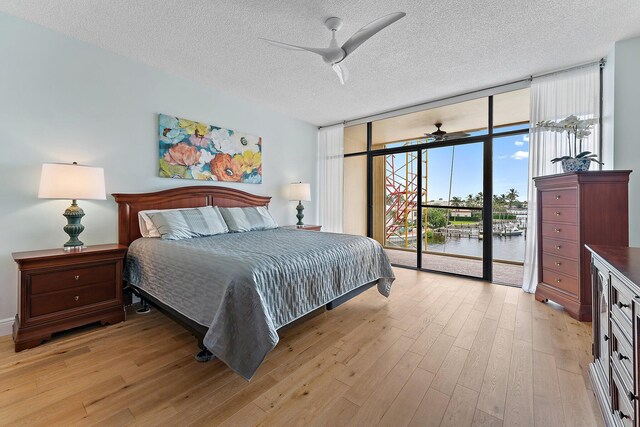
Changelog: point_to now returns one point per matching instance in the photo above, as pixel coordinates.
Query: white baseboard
(6, 326)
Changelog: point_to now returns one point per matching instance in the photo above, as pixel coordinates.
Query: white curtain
(555, 97)
(330, 178)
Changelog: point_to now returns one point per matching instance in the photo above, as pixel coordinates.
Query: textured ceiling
(441, 48)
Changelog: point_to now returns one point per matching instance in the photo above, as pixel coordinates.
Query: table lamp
(301, 192)
(64, 181)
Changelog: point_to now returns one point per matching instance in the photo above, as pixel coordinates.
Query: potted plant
(577, 130)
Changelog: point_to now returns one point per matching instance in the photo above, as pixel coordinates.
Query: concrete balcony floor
(509, 274)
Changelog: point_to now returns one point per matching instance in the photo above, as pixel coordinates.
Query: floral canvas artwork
(192, 150)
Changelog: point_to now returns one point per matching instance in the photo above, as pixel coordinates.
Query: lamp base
(300, 215)
(74, 215)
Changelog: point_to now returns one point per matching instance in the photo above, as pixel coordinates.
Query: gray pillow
(248, 219)
(188, 223)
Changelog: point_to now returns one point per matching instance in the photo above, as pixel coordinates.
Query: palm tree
(456, 201)
(470, 200)
(478, 199)
(512, 196)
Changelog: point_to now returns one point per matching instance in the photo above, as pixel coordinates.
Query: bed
(234, 291)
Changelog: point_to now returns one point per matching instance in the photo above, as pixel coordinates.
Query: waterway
(504, 248)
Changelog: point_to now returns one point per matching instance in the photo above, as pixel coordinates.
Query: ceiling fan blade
(322, 51)
(457, 135)
(369, 30)
(342, 72)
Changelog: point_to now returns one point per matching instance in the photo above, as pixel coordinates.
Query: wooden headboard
(182, 197)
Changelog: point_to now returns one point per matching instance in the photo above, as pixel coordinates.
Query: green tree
(478, 199)
(436, 218)
(456, 201)
(512, 197)
(471, 201)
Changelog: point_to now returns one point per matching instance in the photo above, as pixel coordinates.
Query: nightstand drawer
(71, 278)
(54, 302)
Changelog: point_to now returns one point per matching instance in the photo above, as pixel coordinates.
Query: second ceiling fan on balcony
(440, 135)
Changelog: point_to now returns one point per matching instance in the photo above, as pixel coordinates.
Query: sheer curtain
(555, 97)
(330, 178)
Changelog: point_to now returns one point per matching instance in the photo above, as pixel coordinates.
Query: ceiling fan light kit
(335, 54)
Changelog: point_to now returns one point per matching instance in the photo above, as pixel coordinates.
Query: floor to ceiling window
(444, 189)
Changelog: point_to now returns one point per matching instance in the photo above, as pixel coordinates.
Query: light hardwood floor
(440, 351)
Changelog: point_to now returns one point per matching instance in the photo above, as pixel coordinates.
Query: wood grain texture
(592, 198)
(363, 363)
(181, 197)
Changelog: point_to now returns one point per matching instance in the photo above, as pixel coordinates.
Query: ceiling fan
(334, 54)
(440, 135)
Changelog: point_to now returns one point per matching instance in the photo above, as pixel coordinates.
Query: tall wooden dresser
(616, 331)
(575, 209)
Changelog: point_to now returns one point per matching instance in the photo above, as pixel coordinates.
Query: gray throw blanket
(244, 286)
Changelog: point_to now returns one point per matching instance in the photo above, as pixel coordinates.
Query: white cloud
(520, 155)
(519, 143)
(502, 157)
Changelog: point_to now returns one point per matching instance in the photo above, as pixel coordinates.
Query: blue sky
(510, 168)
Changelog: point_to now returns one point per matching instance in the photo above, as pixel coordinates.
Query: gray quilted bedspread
(244, 286)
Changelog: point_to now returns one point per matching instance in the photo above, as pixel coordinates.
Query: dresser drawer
(71, 278)
(622, 355)
(54, 302)
(561, 265)
(556, 230)
(559, 197)
(563, 214)
(623, 408)
(561, 281)
(621, 301)
(560, 247)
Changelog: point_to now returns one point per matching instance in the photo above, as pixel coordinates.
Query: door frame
(487, 187)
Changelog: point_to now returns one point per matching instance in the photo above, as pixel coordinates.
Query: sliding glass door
(435, 186)
(452, 202)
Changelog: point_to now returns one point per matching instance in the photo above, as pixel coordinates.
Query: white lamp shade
(64, 181)
(300, 191)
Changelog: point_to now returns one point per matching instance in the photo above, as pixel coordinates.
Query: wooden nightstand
(303, 227)
(61, 290)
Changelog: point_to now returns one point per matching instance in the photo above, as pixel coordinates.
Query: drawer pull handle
(606, 337)
(631, 396)
(622, 305)
(77, 277)
(557, 213)
(558, 263)
(557, 230)
(76, 298)
(558, 247)
(558, 280)
(557, 197)
(622, 415)
(622, 356)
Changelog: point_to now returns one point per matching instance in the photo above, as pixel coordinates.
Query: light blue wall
(62, 100)
(622, 114)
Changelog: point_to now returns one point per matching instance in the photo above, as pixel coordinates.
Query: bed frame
(189, 197)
